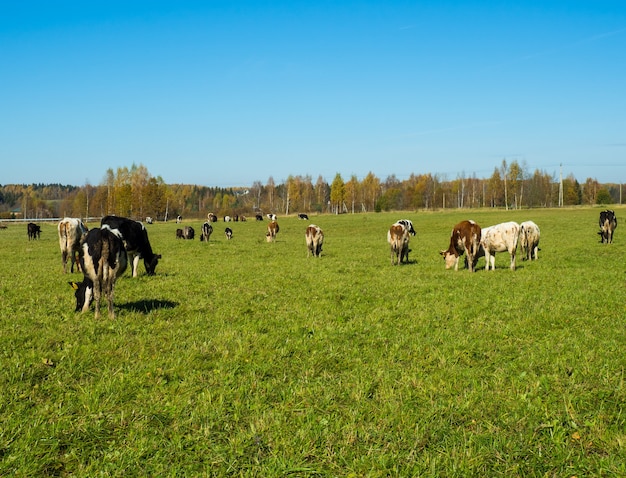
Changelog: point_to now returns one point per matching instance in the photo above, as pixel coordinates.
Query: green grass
(244, 358)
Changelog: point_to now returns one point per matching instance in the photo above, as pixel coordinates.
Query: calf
(71, 231)
(398, 239)
(188, 232)
(498, 238)
(207, 230)
(272, 230)
(229, 233)
(34, 231)
(465, 237)
(529, 240)
(103, 260)
(314, 239)
(135, 237)
(608, 223)
(303, 216)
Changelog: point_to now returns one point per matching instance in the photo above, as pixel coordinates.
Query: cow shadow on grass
(148, 305)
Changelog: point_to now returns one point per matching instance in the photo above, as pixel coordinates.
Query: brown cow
(465, 237)
(398, 238)
(272, 230)
(314, 239)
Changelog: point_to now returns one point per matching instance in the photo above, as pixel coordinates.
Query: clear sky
(227, 93)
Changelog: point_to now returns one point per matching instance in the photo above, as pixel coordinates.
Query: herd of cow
(103, 254)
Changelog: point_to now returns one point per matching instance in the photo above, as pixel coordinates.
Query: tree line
(134, 192)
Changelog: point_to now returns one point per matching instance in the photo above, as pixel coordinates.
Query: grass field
(245, 358)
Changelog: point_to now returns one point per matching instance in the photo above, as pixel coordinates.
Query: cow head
(151, 264)
(451, 260)
(83, 291)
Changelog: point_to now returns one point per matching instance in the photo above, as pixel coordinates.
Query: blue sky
(228, 93)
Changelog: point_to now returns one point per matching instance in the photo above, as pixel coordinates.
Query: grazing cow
(149, 220)
(34, 231)
(243, 218)
(179, 219)
(465, 237)
(499, 238)
(229, 233)
(211, 217)
(408, 224)
(303, 216)
(314, 239)
(135, 237)
(71, 231)
(272, 230)
(608, 223)
(179, 234)
(529, 240)
(398, 239)
(188, 232)
(259, 217)
(207, 230)
(227, 219)
(104, 259)
(271, 217)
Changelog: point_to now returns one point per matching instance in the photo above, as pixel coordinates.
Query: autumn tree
(337, 193)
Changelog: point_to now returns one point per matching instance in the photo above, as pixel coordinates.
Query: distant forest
(134, 192)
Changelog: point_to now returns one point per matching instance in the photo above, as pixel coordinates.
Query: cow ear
(443, 253)
(73, 285)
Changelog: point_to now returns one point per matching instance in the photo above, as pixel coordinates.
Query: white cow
(529, 240)
(499, 238)
(71, 230)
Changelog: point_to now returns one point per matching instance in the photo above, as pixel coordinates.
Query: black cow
(259, 217)
(103, 260)
(34, 231)
(189, 232)
(135, 237)
(179, 234)
(608, 223)
(207, 230)
(303, 216)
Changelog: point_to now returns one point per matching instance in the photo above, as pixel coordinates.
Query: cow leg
(513, 260)
(97, 293)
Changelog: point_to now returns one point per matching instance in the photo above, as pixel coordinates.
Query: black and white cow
(271, 217)
(71, 231)
(303, 216)
(135, 237)
(207, 230)
(34, 231)
(211, 217)
(149, 220)
(103, 260)
(408, 224)
(229, 233)
(179, 219)
(608, 223)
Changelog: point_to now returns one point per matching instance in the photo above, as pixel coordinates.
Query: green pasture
(246, 358)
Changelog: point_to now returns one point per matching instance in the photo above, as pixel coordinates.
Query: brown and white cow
(398, 239)
(608, 223)
(272, 230)
(529, 235)
(499, 238)
(465, 237)
(103, 260)
(314, 240)
(71, 231)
